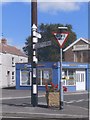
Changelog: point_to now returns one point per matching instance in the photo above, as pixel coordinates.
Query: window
(71, 74)
(13, 61)
(13, 75)
(25, 78)
(44, 76)
(68, 77)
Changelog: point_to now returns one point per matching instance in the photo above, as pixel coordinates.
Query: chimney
(3, 41)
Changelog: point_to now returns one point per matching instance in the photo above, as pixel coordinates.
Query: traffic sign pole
(61, 38)
(61, 82)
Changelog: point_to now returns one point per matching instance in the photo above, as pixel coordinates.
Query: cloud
(55, 7)
(3, 1)
(44, 0)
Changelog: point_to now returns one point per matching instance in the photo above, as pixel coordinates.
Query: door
(80, 80)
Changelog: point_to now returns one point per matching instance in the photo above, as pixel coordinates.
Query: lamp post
(62, 29)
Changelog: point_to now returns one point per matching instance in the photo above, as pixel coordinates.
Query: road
(16, 103)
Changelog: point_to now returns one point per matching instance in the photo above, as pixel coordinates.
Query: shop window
(25, 78)
(44, 76)
(68, 77)
(70, 82)
(71, 74)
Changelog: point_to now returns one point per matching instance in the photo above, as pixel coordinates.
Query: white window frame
(29, 72)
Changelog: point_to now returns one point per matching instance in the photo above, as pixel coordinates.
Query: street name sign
(43, 44)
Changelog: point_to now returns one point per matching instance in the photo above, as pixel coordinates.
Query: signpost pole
(61, 83)
(61, 38)
(34, 60)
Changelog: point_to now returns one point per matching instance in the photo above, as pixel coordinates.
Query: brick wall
(69, 54)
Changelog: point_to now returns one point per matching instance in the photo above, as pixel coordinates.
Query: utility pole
(34, 60)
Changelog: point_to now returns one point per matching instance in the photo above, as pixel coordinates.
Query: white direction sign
(36, 34)
(43, 44)
(61, 38)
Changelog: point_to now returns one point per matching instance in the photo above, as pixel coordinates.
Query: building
(74, 75)
(9, 56)
(75, 69)
(78, 51)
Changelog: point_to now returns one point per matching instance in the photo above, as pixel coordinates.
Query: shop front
(74, 75)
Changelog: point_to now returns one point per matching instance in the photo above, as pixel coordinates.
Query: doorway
(80, 80)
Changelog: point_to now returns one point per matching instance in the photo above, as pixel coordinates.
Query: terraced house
(9, 56)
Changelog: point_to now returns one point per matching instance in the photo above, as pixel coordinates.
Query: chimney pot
(3, 41)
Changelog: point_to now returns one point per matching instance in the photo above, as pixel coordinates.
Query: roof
(4, 48)
(85, 40)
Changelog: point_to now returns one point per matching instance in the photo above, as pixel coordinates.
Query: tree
(27, 48)
(49, 53)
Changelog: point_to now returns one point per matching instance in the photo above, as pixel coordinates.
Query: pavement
(26, 111)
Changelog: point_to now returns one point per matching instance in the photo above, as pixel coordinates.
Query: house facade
(78, 51)
(9, 56)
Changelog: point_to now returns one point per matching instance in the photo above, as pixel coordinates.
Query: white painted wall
(6, 68)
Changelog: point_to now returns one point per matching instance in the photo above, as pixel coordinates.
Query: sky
(15, 18)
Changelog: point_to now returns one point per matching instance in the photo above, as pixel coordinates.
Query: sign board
(36, 34)
(43, 44)
(61, 38)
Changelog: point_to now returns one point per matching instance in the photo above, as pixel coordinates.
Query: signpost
(43, 44)
(34, 60)
(61, 38)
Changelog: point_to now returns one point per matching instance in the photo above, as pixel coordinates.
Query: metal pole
(61, 84)
(34, 60)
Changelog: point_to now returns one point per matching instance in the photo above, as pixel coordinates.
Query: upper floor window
(12, 75)
(13, 61)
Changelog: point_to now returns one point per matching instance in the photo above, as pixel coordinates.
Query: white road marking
(8, 98)
(9, 117)
(80, 100)
(72, 101)
(76, 93)
(50, 114)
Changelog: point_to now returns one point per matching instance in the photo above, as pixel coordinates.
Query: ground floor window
(44, 76)
(25, 78)
(68, 77)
